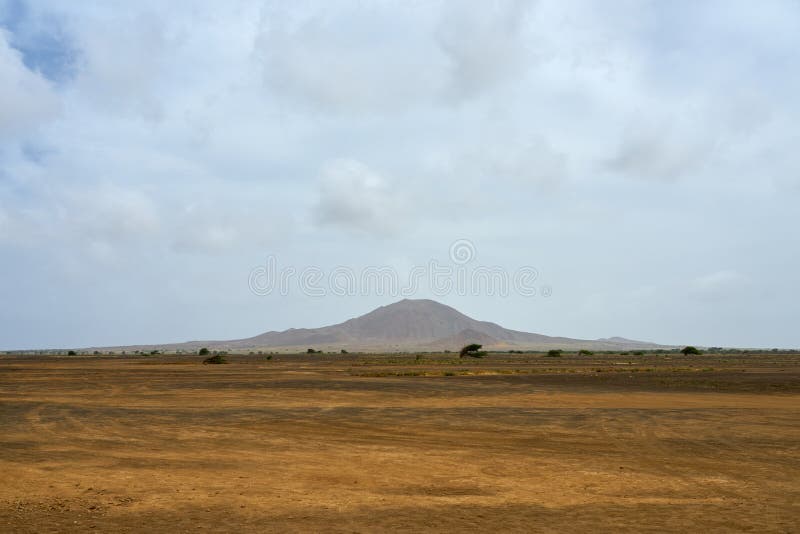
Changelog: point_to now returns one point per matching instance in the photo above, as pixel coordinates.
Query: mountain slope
(403, 326)
(420, 324)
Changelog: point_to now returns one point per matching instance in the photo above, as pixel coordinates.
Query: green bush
(689, 350)
(72, 353)
(203, 352)
(554, 353)
(473, 351)
(584, 352)
(216, 359)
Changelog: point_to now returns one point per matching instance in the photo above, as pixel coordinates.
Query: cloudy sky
(641, 156)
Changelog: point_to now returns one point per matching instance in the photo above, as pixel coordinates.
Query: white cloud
(533, 162)
(27, 99)
(661, 152)
(119, 71)
(111, 213)
(355, 197)
(484, 44)
(328, 65)
(205, 238)
(107, 215)
(459, 120)
(213, 228)
(5, 224)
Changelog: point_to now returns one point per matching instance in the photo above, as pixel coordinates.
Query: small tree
(203, 352)
(344, 351)
(584, 352)
(311, 351)
(554, 353)
(473, 350)
(71, 353)
(689, 350)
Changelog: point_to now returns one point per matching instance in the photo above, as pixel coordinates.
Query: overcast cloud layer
(643, 156)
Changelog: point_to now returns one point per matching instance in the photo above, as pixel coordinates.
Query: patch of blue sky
(42, 39)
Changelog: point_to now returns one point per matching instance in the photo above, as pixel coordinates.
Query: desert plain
(401, 442)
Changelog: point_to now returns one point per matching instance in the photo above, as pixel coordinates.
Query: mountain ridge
(408, 324)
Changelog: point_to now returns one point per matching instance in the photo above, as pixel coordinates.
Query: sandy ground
(346, 444)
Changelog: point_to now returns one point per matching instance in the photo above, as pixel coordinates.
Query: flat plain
(369, 443)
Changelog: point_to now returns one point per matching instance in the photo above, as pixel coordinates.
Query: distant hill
(407, 325)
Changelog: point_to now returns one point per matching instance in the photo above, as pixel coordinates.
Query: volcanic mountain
(410, 325)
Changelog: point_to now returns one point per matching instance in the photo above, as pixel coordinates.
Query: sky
(640, 157)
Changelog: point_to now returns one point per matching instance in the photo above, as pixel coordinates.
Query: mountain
(405, 326)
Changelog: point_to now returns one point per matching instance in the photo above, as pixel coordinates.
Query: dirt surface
(359, 443)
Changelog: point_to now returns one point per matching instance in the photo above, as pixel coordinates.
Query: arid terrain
(368, 443)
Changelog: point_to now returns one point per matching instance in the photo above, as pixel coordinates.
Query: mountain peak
(422, 324)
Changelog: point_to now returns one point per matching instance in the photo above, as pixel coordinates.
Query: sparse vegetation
(466, 405)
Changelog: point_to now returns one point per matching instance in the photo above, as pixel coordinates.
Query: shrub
(310, 351)
(473, 350)
(554, 353)
(218, 358)
(344, 351)
(72, 353)
(203, 352)
(584, 352)
(689, 350)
